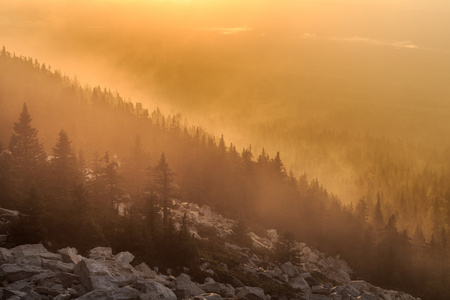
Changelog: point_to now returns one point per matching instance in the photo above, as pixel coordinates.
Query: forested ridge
(85, 158)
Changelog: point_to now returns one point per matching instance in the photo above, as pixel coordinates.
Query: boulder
(67, 279)
(30, 260)
(319, 297)
(124, 257)
(143, 268)
(152, 290)
(57, 266)
(185, 288)
(33, 250)
(217, 288)
(27, 250)
(336, 296)
(125, 293)
(27, 282)
(50, 288)
(300, 283)
(251, 293)
(14, 294)
(100, 253)
(289, 269)
(367, 296)
(362, 285)
(6, 256)
(70, 255)
(208, 296)
(99, 274)
(13, 272)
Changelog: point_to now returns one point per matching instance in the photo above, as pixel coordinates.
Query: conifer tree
(64, 165)
(378, 221)
(286, 249)
(163, 179)
(27, 152)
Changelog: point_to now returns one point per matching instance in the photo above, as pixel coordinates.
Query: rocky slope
(32, 272)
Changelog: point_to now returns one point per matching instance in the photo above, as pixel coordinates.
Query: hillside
(226, 270)
(107, 169)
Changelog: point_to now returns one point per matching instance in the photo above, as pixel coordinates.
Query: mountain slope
(115, 194)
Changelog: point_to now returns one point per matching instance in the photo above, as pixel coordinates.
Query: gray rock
(124, 257)
(319, 297)
(50, 288)
(306, 275)
(65, 296)
(125, 293)
(99, 274)
(100, 253)
(336, 296)
(251, 293)
(300, 283)
(208, 296)
(185, 288)
(289, 269)
(367, 296)
(362, 285)
(277, 272)
(27, 250)
(217, 288)
(143, 268)
(57, 266)
(69, 255)
(12, 294)
(318, 289)
(67, 279)
(209, 280)
(15, 272)
(6, 256)
(153, 290)
(27, 283)
(30, 260)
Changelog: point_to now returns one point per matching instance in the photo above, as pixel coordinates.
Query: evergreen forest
(85, 167)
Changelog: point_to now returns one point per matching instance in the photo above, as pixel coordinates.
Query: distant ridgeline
(85, 167)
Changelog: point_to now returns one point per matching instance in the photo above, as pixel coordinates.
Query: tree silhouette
(64, 165)
(27, 152)
(163, 176)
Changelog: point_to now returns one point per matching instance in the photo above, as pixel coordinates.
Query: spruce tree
(27, 152)
(64, 165)
(163, 177)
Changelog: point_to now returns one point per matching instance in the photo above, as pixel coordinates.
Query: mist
(268, 75)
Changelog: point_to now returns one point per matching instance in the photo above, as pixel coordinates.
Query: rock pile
(32, 272)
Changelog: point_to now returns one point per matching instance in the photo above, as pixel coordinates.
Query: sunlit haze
(263, 73)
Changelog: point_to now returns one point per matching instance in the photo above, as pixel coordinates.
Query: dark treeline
(104, 170)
